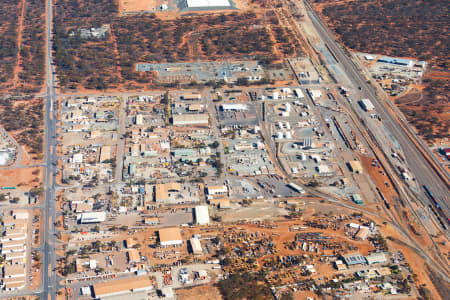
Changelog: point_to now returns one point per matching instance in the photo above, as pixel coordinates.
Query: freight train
(437, 209)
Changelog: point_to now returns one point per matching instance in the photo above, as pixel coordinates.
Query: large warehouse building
(129, 287)
(91, 217)
(201, 215)
(207, 3)
(190, 119)
(170, 237)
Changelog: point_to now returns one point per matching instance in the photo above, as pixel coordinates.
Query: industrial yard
(156, 183)
(218, 149)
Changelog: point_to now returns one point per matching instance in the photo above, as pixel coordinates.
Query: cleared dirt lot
(127, 6)
(204, 292)
(24, 178)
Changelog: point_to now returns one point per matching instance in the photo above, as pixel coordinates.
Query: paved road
(121, 143)
(418, 164)
(49, 287)
(215, 125)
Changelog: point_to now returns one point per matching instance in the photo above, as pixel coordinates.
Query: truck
(366, 104)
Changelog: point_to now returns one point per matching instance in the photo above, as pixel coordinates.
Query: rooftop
(121, 285)
(169, 234)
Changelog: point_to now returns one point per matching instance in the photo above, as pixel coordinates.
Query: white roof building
(299, 93)
(92, 217)
(234, 107)
(20, 214)
(201, 215)
(219, 189)
(323, 169)
(77, 158)
(376, 258)
(207, 3)
(196, 246)
(190, 119)
(167, 292)
(4, 156)
(366, 104)
(315, 94)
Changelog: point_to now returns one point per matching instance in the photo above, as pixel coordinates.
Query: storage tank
(288, 135)
(302, 156)
(280, 135)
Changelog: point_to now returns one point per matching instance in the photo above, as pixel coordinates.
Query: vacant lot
(24, 120)
(22, 27)
(9, 17)
(109, 62)
(31, 69)
(203, 292)
(405, 28)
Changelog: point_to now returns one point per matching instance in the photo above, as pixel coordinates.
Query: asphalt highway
(49, 284)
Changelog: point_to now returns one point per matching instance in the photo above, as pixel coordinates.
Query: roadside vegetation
(25, 121)
(22, 59)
